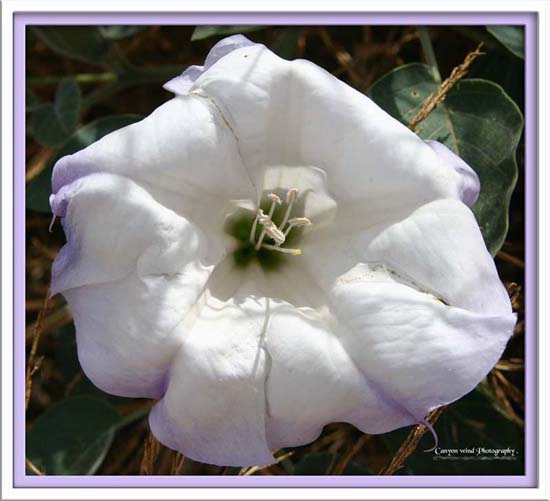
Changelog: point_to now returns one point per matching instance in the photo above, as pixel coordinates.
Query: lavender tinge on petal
(181, 84)
(470, 180)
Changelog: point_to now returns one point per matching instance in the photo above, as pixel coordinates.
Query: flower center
(276, 233)
(269, 232)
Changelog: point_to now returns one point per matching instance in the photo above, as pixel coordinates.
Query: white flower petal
(128, 331)
(214, 407)
(296, 114)
(313, 381)
(183, 148)
(470, 185)
(257, 373)
(131, 271)
(437, 248)
(181, 84)
(114, 227)
(421, 352)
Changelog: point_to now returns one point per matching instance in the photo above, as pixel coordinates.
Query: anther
(291, 196)
(296, 221)
(274, 198)
(275, 233)
(274, 201)
(259, 214)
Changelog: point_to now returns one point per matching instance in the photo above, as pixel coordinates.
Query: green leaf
(317, 463)
(478, 121)
(52, 123)
(73, 436)
(202, 32)
(39, 189)
(32, 102)
(45, 126)
(84, 43)
(120, 32)
(512, 37)
(67, 103)
(502, 67)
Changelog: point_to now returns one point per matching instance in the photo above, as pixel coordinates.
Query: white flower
(374, 303)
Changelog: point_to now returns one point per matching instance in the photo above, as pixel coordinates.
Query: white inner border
(9, 7)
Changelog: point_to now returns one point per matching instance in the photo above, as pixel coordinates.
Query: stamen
(291, 196)
(270, 228)
(274, 201)
(275, 233)
(294, 252)
(274, 198)
(296, 221)
(255, 225)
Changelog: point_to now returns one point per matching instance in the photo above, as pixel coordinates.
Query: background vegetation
(83, 82)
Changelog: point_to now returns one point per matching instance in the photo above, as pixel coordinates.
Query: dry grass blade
(150, 455)
(514, 291)
(349, 455)
(125, 454)
(33, 364)
(177, 464)
(513, 364)
(342, 56)
(255, 469)
(410, 444)
(513, 392)
(39, 163)
(502, 397)
(439, 95)
(33, 467)
(326, 440)
(508, 258)
(59, 318)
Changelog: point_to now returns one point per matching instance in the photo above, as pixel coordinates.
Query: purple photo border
(529, 20)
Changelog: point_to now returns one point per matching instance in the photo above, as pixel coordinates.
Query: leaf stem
(428, 51)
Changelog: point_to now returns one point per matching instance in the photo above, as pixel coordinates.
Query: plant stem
(428, 51)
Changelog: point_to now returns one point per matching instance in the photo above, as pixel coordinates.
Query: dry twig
(516, 261)
(33, 467)
(177, 464)
(150, 455)
(255, 469)
(436, 98)
(39, 163)
(410, 444)
(353, 450)
(502, 389)
(514, 290)
(33, 364)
